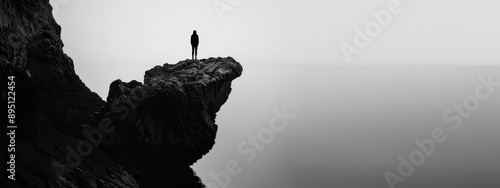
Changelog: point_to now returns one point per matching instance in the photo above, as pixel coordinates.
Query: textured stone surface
(145, 135)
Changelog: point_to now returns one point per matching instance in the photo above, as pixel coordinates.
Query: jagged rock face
(176, 106)
(170, 118)
(146, 134)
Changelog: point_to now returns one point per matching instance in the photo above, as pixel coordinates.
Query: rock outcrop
(144, 135)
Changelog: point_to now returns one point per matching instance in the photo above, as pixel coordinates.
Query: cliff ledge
(146, 134)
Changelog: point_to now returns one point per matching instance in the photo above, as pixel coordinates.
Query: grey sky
(140, 34)
(159, 28)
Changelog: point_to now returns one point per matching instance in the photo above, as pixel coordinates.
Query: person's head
(194, 31)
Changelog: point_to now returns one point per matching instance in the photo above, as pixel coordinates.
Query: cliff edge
(146, 134)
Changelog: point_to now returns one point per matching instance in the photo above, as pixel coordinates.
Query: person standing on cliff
(194, 44)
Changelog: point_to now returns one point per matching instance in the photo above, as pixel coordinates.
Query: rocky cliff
(144, 135)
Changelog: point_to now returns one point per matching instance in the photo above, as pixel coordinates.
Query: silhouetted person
(194, 44)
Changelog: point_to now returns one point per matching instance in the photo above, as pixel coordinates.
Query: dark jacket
(194, 40)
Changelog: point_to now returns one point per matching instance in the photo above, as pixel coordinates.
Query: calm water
(351, 125)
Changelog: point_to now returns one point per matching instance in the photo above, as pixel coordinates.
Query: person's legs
(196, 52)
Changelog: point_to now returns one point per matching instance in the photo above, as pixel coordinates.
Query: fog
(352, 118)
